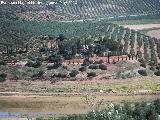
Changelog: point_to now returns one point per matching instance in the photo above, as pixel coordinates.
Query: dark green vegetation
(3, 77)
(124, 111)
(42, 42)
(93, 9)
(35, 47)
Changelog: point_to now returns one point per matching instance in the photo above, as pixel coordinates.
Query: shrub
(90, 61)
(143, 63)
(3, 77)
(64, 67)
(157, 73)
(157, 105)
(158, 67)
(93, 66)
(152, 68)
(73, 73)
(98, 62)
(36, 64)
(102, 67)
(82, 68)
(91, 74)
(38, 75)
(29, 64)
(86, 62)
(67, 56)
(139, 53)
(153, 57)
(40, 59)
(55, 66)
(123, 75)
(132, 52)
(146, 56)
(44, 49)
(61, 75)
(129, 75)
(52, 66)
(124, 111)
(2, 62)
(142, 72)
(56, 59)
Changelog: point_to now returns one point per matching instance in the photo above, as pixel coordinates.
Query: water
(10, 115)
(21, 115)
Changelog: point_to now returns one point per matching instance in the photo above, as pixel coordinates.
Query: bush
(44, 49)
(53, 66)
(157, 105)
(158, 67)
(86, 62)
(153, 57)
(102, 67)
(82, 68)
(124, 111)
(143, 63)
(157, 73)
(41, 59)
(2, 62)
(91, 61)
(98, 62)
(123, 75)
(93, 66)
(64, 67)
(50, 67)
(139, 53)
(132, 52)
(142, 72)
(91, 74)
(73, 73)
(3, 77)
(36, 64)
(61, 75)
(56, 59)
(152, 68)
(38, 75)
(29, 64)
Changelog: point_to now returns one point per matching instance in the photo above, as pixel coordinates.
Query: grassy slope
(128, 85)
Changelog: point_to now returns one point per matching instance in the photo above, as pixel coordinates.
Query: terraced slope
(85, 9)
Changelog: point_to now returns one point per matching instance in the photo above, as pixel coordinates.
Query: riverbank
(62, 104)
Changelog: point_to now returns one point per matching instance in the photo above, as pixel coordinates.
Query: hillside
(72, 57)
(87, 9)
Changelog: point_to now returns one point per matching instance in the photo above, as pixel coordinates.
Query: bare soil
(61, 105)
(154, 33)
(143, 26)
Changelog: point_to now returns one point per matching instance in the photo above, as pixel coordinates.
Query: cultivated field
(143, 26)
(77, 57)
(152, 30)
(154, 33)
